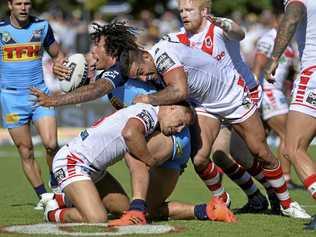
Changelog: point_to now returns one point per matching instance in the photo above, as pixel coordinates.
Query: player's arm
(295, 11)
(259, 64)
(134, 137)
(176, 89)
(231, 30)
(82, 94)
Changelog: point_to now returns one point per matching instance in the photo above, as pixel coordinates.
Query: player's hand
(141, 99)
(224, 23)
(60, 70)
(269, 70)
(42, 98)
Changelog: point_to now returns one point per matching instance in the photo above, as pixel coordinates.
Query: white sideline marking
(53, 229)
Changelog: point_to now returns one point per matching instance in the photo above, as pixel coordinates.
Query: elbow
(183, 94)
(128, 134)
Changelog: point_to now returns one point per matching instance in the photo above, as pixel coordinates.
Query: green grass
(17, 200)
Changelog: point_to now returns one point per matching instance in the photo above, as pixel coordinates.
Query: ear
(204, 12)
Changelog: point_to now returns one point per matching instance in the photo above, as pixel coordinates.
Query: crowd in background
(71, 31)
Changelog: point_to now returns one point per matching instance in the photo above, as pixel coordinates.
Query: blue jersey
(21, 51)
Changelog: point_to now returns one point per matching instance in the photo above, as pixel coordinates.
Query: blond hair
(202, 4)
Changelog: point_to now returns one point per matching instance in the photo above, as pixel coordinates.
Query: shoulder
(4, 21)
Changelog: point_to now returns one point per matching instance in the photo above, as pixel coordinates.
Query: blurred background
(70, 19)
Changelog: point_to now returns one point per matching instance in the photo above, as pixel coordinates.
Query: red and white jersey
(306, 34)
(103, 144)
(227, 52)
(265, 46)
(208, 82)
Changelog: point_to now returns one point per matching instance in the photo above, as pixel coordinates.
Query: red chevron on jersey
(208, 40)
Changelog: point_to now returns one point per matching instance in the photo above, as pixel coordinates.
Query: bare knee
(51, 147)
(201, 160)
(26, 152)
(99, 217)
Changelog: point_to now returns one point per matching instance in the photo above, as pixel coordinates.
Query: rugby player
(217, 93)
(274, 106)
(23, 38)
(220, 37)
(81, 163)
(299, 19)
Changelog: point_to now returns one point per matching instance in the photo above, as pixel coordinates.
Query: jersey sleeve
(49, 37)
(164, 57)
(287, 2)
(113, 75)
(148, 116)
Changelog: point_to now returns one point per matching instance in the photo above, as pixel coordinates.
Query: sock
(40, 190)
(310, 185)
(256, 171)
(53, 181)
(211, 178)
(200, 212)
(138, 205)
(60, 199)
(242, 178)
(57, 216)
(276, 179)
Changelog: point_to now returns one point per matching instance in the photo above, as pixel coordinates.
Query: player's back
(206, 79)
(21, 53)
(103, 144)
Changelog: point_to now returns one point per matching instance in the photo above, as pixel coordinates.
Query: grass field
(17, 201)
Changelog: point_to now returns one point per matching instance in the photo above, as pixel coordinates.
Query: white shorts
(304, 92)
(274, 103)
(233, 115)
(69, 167)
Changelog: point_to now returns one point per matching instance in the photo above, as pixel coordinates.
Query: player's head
(193, 13)
(111, 40)
(138, 64)
(20, 10)
(174, 118)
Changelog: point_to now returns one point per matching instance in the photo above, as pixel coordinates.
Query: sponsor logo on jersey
(21, 52)
(147, 119)
(59, 175)
(208, 42)
(111, 74)
(84, 134)
(12, 118)
(5, 37)
(311, 98)
(164, 63)
(37, 34)
(179, 149)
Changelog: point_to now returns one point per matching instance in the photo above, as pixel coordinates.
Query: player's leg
(297, 143)
(203, 133)
(252, 131)
(222, 158)
(45, 123)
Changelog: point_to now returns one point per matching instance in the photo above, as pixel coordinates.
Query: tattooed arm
(295, 11)
(82, 94)
(176, 90)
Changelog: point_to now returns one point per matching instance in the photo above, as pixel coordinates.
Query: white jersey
(265, 46)
(103, 144)
(227, 52)
(208, 82)
(306, 34)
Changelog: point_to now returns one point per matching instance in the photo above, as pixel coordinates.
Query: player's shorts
(19, 107)
(304, 92)
(181, 151)
(274, 103)
(231, 115)
(69, 167)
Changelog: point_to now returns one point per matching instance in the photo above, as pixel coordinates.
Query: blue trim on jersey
(49, 39)
(114, 75)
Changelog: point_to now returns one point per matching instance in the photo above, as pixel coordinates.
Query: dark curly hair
(119, 37)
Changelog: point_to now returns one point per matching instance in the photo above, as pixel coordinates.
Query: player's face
(191, 14)
(98, 52)
(145, 70)
(173, 119)
(20, 9)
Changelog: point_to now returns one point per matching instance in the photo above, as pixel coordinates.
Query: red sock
(242, 178)
(60, 199)
(276, 179)
(310, 185)
(57, 216)
(256, 171)
(211, 178)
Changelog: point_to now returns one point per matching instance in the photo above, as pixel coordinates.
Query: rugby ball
(79, 73)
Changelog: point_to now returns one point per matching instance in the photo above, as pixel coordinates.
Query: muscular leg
(203, 134)
(297, 141)
(23, 141)
(46, 127)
